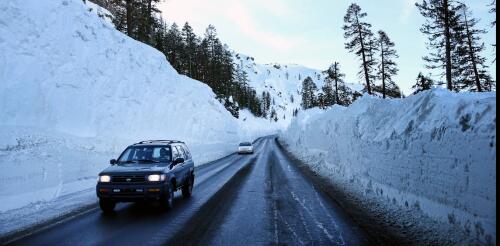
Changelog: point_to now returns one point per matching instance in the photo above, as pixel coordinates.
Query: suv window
(146, 153)
(175, 153)
(186, 151)
(181, 152)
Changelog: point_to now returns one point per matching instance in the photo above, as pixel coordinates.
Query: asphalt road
(259, 199)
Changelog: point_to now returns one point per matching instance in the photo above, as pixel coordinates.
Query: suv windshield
(146, 155)
(245, 144)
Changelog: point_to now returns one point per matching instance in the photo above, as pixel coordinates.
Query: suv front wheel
(187, 189)
(107, 206)
(167, 201)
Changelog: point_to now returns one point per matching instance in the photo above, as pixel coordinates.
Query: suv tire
(187, 189)
(167, 200)
(107, 206)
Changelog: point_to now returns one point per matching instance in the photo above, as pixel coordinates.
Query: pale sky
(310, 32)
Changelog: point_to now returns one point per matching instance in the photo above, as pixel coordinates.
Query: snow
(433, 153)
(75, 92)
(282, 81)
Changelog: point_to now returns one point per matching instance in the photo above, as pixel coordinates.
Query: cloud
(238, 16)
(241, 17)
(408, 10)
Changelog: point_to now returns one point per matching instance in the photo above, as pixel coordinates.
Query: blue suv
(147, 171)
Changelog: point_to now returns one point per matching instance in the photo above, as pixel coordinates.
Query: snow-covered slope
(434, 152)
(283, 82)
(74, 92)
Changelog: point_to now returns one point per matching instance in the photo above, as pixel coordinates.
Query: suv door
(185, 166)
(188, 161)
(177, 169)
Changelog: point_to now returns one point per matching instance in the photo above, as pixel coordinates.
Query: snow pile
(74, 92)
(434, 152)
(283, 82)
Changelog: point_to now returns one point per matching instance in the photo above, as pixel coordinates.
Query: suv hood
(142, 168)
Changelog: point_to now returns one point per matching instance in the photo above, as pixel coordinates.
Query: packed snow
(434, 152)
(75, 92)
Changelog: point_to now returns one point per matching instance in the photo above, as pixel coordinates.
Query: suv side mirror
(112, 161)
(178, 161)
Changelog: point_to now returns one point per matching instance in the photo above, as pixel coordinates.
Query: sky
(310, 33)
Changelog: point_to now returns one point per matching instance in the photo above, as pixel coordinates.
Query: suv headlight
(104, 179)
(156, 177)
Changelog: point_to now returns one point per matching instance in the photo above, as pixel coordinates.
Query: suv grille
(128, 179)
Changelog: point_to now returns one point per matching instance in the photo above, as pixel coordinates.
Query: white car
(245, 148)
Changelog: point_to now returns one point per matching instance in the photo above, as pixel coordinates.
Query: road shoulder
(385, 226)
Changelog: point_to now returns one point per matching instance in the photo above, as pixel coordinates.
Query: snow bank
(435, 152)
(74, 92)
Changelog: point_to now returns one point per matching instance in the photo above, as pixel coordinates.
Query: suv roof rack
(159, 141)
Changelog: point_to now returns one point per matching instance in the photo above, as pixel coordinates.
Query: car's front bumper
(131, 192)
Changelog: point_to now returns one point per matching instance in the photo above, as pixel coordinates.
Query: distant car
(147, 171)
(245, 148)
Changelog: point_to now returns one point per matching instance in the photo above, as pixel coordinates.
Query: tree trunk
(382, 64)
(129, 9)
(447, 34)
(149, 22)
(365, 67)
(472, 54)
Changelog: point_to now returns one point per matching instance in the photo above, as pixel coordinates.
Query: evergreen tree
(441, 19)
(387, 66)
(207, 60)
(335, 89)
(308, 93)
(493, 10)
(320, 101)
(331, 87)
(472, 67)
(423, 83)
(266, 103)
(328, 94)
(174, 47)
(160, 36)
(360, 42)
(191, 43)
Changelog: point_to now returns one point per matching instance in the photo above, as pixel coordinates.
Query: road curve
(259, 199)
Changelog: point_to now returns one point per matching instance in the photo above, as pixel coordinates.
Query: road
(259, 199)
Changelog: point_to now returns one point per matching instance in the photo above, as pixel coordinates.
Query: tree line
(205, 58)
(455, 45)
(455, 51)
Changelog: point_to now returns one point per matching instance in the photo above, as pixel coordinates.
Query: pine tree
(320, 101)
(493, 10)
(308, 93)
(174, 47)
(328, 94)
(191, 43)
(472, 67)
(160, 36)
(334, 82)
(360, 42)
(441, 19)
(423, 83)
(387, 67)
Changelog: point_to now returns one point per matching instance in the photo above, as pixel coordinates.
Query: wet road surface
(259, 199)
